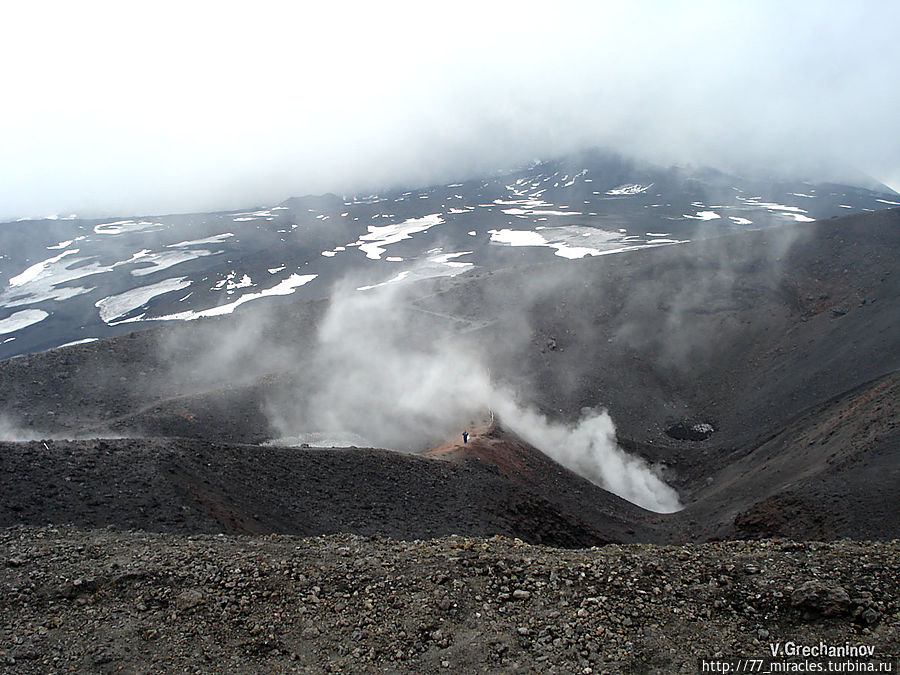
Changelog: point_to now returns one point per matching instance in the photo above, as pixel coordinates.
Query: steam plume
(394, 375)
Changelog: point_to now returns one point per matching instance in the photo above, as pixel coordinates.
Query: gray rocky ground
(74, 600)
(786, 346)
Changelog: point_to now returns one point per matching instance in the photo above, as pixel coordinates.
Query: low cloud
(247, 107)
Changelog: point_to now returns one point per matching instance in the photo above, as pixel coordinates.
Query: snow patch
(229, 283)
(166, 259)
(539, 212)
(629, 189)
(400, 277)
(569, 242)
(448, 259)
(215, 239)
(703, 215)
(379, 236)
(116, 306)
(285, 287)
(772, 206)
(123, 226)
(35, 271)
(21, 319)
(78, 342)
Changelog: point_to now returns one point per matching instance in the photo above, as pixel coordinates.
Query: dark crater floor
(740, 333)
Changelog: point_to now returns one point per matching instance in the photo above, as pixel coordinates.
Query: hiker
(465, 437)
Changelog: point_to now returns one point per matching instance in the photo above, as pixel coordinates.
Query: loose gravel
(74, 600)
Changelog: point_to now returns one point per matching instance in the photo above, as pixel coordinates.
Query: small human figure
(465, 437)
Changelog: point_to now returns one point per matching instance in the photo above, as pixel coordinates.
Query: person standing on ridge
(465, 437)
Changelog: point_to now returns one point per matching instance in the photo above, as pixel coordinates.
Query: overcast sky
(153, 107)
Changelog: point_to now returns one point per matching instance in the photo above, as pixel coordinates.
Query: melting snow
(285, 287)
(116, 306)
(740, 221)
(518, 237)
(167, 259)
(887, 201)
(529, 238)
(35, 271)
(400, 277)
(253, 215)
(567, 241)
(42, 281)
(629, 189)
(539, 212)
(772, 206)
(447, 259)
(215, 239)
(531, 202)
(123, 226)
(373, 243)
(276, 270)
(22, 319)
(78, 342)
(703, 215)
(230, 285)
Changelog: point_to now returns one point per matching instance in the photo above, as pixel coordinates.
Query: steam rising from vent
(10, 431)
(400, 377)
(590, 450)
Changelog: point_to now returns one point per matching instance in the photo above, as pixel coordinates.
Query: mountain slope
(63, 281)
(782, 341)
(180, 485)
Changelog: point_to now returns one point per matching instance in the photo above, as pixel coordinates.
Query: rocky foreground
(75, 600)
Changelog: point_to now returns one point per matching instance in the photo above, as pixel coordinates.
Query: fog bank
(122, 109)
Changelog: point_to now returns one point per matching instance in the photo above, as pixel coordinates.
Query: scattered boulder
(690, 431)
(188, 599)
(821, 598)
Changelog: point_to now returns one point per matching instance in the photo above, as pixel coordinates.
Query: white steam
(399, 377)
(590, 450)
(11, 431)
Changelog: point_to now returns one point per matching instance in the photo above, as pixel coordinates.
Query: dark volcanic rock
(353, 604)
(688, 431)
(181, 485)
(817, 596)
(737, 331)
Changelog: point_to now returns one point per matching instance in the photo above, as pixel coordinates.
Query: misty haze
(496, 338)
